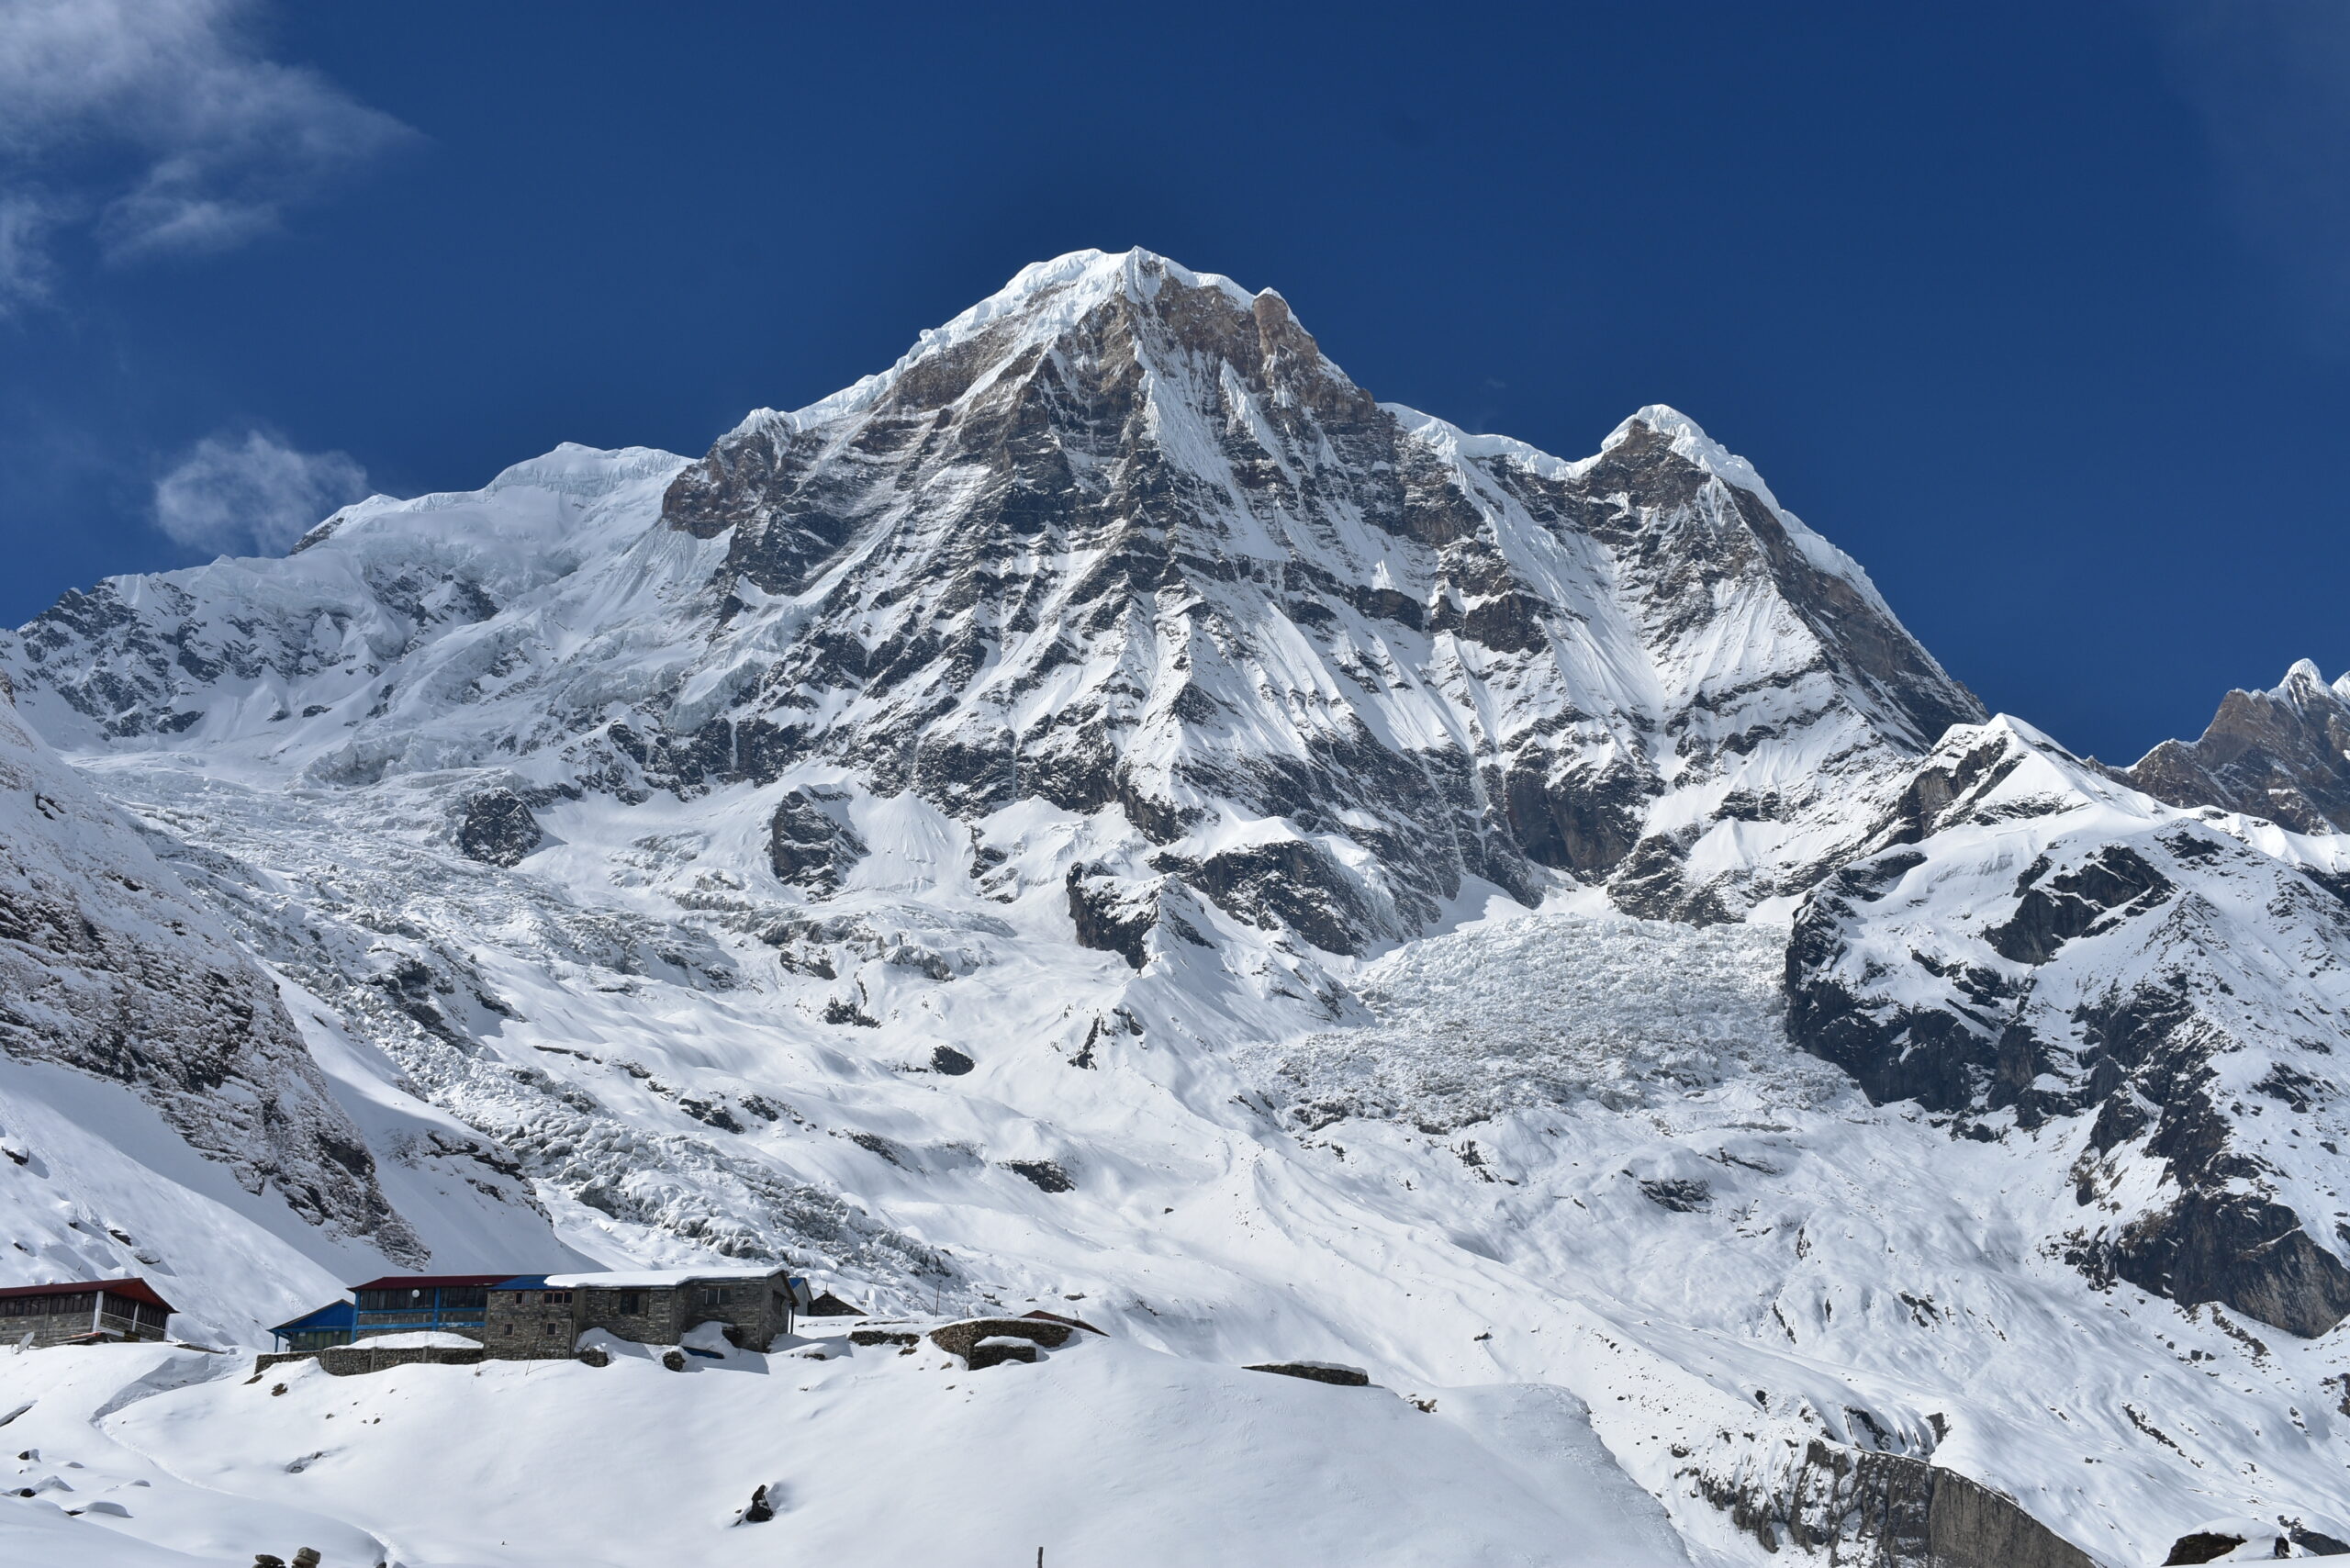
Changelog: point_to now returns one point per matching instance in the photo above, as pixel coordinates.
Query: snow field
(1102, 1452)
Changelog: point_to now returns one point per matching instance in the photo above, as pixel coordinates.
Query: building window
(510, 1330)
(554, 1298)
(390, 1300)
(470, 1299)
(716, 1295)
(550, 1329)
(628, 1303)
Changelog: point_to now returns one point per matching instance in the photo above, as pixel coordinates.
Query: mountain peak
(2277, 754)
(1138, 270)
(1688, 439)
(1116, 536)
(1044, 302)
(2301, 682)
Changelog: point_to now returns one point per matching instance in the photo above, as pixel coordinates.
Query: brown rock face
(2283, 755)
(1889, 1510)
(1317, 1372)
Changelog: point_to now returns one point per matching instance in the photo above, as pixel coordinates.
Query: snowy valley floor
(1102, 1453)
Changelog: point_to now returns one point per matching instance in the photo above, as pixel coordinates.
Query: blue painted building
(400, 1304)
(331, 1325)
(397, 1304)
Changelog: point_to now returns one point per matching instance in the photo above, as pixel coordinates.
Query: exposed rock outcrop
(811, 843)
(1317, 1371)
(2040, 945)
(499, 828)
(1891, 1510)
(2283, 754)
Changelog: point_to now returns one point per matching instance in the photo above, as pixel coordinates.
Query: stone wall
(57, 1326)
(527, 1323)
(530, 1324)
(959, 1339)
(353, 1361)
(657, 1319)
(757, 1310)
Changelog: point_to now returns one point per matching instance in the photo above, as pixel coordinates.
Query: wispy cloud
(2270, 79)
(25, 222)
(164, 124)
(255, 495)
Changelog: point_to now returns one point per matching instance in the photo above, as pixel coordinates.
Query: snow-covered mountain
(2044, 948)
(1119, 536)
(1106, 811)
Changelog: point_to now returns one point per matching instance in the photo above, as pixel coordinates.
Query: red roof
(132, 1290)
(429, 1281)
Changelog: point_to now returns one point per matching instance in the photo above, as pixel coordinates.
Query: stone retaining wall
(957, 1338)
(354, 1360)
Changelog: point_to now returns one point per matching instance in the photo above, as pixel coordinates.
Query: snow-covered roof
(419, 1339)
(654, 1279)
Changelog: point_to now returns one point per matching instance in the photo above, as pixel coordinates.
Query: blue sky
(2042, 311)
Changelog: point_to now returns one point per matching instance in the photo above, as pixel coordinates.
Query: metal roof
(130, 1290)
(334, 1315)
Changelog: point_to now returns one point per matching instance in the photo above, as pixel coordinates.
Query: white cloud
(257, 494)
(167, 120)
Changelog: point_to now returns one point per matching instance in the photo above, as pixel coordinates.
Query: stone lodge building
(543, 1314)
(89, 1310)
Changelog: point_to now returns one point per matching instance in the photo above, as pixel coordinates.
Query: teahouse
(543, 1314)
(397, 1304)
(87, 1310)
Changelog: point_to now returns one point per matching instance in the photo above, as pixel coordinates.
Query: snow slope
(160, 1110)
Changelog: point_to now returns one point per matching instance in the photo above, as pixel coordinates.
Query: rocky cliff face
(2282, 754)
(1123, 538)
